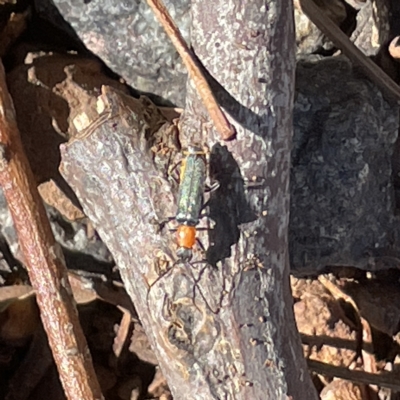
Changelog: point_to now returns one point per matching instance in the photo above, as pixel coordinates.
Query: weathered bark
(249, 50)
(222, 329)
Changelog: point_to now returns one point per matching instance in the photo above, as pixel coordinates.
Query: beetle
(190, 199)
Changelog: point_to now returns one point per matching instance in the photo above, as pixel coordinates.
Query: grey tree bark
(221, 329)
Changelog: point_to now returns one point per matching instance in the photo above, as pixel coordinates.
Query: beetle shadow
(227, 205)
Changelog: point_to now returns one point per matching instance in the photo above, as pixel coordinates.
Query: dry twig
(225, 129)
(387, 380)
(123, 331)
(44, 260)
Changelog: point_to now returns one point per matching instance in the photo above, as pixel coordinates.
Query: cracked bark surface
(223, 328)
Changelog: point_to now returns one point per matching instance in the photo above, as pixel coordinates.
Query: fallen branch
(224, 330)
(44, 260)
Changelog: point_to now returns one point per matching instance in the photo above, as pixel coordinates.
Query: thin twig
(388, 380)
(225, 129)
(340, 40)
(44, 260)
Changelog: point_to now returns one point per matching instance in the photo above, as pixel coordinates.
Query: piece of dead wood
(190, 323)
(333, 32)
(55, 197)
(122, 334)
(222, 125)
(222, 328)
(44, 260)
(387, 380)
